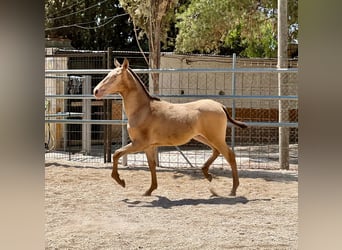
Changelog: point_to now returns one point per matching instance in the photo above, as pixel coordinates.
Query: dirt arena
(86, 209)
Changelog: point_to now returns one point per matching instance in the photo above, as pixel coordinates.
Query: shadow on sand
(166, 203)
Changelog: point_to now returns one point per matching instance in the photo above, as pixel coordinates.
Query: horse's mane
(143, 85)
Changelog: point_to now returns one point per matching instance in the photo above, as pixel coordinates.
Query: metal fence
(81, 128)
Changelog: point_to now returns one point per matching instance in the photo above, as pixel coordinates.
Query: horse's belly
(172, 137)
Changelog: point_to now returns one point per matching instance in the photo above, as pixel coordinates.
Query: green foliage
(90, 24)
(245, 27)
(262, 45)
(202, 25)
(146, 14)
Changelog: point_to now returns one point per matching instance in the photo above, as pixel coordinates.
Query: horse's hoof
(208, 177)
(232, 193)
(122, 183)
(149, 192)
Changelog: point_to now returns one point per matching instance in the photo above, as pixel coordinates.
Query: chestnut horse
(153, 122)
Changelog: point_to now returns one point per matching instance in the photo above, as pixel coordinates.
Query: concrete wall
(221, 83)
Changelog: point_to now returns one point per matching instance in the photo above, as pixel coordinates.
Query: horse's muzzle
(97, 93)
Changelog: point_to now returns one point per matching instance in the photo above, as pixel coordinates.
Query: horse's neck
(134, 98)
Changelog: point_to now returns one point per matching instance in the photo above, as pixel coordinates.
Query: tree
(246, 27)
(90, 24)
(153, 18)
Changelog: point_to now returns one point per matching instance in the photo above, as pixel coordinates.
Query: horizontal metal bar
(237, 97)
(124, 122)
(77, 71)
(65, 114)
(203, 70)
(84, 97)
(84, 121)
(65, 77)
(220, 70)
(272, 124)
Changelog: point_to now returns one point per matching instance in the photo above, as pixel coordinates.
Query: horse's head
(113, 82)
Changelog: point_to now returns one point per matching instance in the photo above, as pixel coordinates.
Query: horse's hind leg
(205, 168)
(230, 157)
(212, 158)
(232, 162)
(151, 154)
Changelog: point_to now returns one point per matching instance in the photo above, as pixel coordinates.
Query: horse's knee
(116, 156)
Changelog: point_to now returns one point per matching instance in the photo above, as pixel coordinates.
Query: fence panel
(73, 116)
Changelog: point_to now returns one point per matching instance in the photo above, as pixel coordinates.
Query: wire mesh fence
(251, 96)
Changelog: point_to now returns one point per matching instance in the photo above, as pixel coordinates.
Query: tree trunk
(154, 46)
(155, 64)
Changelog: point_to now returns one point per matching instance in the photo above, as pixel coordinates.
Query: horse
(153, 122)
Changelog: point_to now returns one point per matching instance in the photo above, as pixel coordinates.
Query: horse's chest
(139, 132)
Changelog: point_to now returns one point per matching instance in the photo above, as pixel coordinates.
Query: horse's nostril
(96, 91)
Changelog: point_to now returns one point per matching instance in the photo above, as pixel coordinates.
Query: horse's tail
(235, 122)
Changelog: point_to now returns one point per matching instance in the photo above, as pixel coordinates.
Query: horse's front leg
(151, 154)
(129, 148)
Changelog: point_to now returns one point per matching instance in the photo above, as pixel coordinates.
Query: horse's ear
(116, 63)
(125, 64)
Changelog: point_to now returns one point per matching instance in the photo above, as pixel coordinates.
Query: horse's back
(206, 105)
(191, 116)
(188, 110)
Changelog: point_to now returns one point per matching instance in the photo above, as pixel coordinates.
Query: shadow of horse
(166, 203)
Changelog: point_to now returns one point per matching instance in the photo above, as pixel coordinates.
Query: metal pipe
(124, 135)
(89, 96)
(284, 138)
(76, 121)
(241, 97)
(233, 103)
(65, 114)
(146, 71)
(271, 124)
(86, 110)
(64, 77)
(124, 122)
(184, 156)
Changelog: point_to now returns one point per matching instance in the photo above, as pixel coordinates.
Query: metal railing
(147, 71)
(51, 118)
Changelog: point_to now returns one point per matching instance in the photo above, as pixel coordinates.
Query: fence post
(233, 102)
(282, 88)
(86, 110)
(124, 136)
(108, 111)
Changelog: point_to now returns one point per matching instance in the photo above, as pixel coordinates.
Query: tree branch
(136, 38)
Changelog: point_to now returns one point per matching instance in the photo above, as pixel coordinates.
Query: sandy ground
(86, 209)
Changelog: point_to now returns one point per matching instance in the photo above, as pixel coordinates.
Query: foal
(153, 122)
